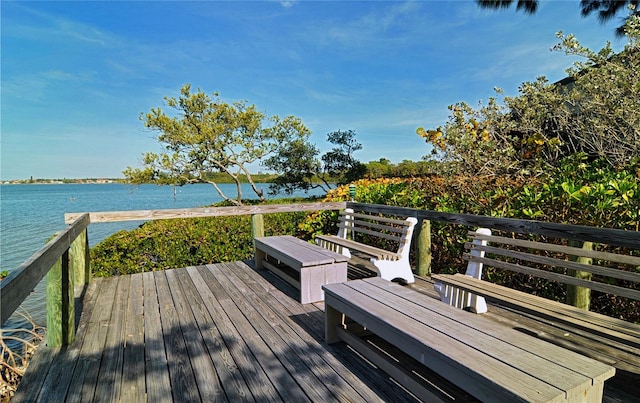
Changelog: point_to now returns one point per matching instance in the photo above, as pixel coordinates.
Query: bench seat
(489, 361)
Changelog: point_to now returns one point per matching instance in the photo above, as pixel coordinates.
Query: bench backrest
(362, 227)
(612, 273)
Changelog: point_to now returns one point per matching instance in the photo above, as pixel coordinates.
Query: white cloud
(288, 4)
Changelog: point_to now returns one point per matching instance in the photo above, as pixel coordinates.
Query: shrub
(165, 244)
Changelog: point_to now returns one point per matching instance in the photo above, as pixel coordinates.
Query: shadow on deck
(216, 332)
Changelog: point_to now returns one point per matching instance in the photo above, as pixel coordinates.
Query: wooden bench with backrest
(490, 361)
(356, 228)
(610, 273)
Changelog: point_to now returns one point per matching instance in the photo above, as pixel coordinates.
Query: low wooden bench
(305, 266)
(490, 361)
(355, 228)
(468, 291)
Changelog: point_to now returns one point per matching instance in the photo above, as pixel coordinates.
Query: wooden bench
(355, 228)
(468, 291)
(490, 361)
(306, 266)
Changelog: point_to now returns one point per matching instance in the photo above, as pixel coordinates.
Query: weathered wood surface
(295, 252)
(215, 332)
(491, 362)
(21, 281)
(144, 215)
(618, 340)
(356, 246)
(225, 302)
(575, 336)
(313, 266)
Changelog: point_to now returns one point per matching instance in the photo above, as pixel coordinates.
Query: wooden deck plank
(294, 364)
(276, 371)
(314, 376)
(133, 380)
(157, 379)
(243, 330)
(110, 374)
(183, 384)
(205, 374)
(235, 387)
(85, 375)
(55, 383)
(309, 320)
(310, 349)
(255, 376)
(39, 368)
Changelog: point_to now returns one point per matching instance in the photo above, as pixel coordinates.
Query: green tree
(473, 141)
(593, 112)
(205, 136)
(606, 9)
(380, 168)
(299, 166)
(602, 99)
(339, 162)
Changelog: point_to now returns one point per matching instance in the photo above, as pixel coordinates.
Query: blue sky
(77, 75)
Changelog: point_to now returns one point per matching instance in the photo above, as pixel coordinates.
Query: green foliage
(474, 141)
(164, 244)
(593, 112)
(601, 100)
(605, 10)
(298, 168)
(298, 165)
(339, 162)
(579, 191)
(383, 168)
(206, 136)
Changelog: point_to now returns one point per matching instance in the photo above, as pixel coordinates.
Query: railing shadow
(214, 332)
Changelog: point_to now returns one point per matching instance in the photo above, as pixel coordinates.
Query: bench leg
(333, 319)
(459, 298)
(260, 255)
(392, 269)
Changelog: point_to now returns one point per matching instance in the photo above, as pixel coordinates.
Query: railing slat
(143, 215)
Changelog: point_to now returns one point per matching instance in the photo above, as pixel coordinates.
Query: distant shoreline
(61, 181)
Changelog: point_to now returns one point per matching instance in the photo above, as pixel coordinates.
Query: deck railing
(65, 259)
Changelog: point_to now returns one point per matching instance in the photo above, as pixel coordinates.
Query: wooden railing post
(257, 225)
(257, 228)
(79, 260)
(423, 248)
(580, 297)
(60, 303)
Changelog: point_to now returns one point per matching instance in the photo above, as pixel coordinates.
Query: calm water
(31, 214)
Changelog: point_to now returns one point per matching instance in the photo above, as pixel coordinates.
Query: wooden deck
(220, 332)
(215, 332)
